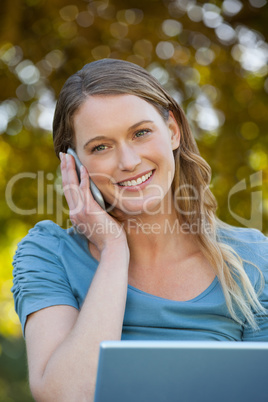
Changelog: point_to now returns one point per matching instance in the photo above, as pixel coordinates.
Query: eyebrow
(102, 137)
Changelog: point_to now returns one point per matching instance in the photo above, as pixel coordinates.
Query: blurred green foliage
(212, 57)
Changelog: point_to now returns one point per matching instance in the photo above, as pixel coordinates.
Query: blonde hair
(192, 171)
(110, 77)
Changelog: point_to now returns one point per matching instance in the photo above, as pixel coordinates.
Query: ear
(174, 131)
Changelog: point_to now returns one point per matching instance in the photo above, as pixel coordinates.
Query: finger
(84, 184)
(91, 205)
(73, 188)
(70, 182)
(71, 170)
(65, 180)
(85, 189)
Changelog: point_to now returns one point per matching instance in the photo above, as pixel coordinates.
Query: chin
(136, 208)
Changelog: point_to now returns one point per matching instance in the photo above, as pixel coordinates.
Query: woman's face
(127, 148)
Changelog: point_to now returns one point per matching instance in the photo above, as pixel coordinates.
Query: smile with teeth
(139, 180)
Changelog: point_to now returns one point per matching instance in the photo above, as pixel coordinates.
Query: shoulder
(48, 247)
(47, 228)
(249, 241)
(41, 243)
(250, 245)
(40, 274)
(42, 239)
(44, 229)
(238, 234)
(48, 235)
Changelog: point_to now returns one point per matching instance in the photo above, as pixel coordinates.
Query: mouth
(137, 181)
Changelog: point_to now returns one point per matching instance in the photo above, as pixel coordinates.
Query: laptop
(190, 371)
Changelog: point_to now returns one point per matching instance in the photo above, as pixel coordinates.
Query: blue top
(53, 266)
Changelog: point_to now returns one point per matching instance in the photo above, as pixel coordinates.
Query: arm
(62, 344)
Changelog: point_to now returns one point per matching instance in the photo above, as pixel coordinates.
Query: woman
(159, 265)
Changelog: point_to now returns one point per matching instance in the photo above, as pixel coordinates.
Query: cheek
(99, 176)
(101, 168)
(164, 158)
(162, 152)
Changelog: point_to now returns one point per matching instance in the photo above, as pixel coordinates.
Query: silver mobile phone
(93, 188)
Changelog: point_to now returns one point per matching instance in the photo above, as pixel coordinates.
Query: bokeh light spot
(171, 27)
(44, 67)
(55, 58)
(14, 127)
(101, 52)
(8, 110)
(225, 33)
(258, 3)
(258, 159)
(119, 30)
(27, 72)
(195, 13)
(204, 56)
(202, 112)
(3, 120)
(251, 58)
(136, 59)
(181, 55)
(11, 55)
(69, 13)
(184, 5)
(85, 19)
(68, 30)
(231, 7)
(164, 50)
(249, 130)
(212, 93)
(211, 15)
(199, 40)
(131, 16)
(159, 73)
(143, 48)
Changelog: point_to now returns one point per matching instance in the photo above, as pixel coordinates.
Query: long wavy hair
(110, 77)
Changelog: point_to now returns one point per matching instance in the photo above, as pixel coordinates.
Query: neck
(154, 238)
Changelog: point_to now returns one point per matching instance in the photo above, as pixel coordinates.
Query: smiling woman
(156, 264)
(127, 149)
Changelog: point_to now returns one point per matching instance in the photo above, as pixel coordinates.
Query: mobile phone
(93, 188)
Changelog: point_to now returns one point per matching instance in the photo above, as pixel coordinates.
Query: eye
(99, 148)
(142, 133)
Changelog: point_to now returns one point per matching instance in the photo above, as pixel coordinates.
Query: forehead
(113, 106)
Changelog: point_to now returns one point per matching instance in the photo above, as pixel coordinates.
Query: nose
(128, 158)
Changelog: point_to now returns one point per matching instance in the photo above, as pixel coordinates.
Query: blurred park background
(210, 55)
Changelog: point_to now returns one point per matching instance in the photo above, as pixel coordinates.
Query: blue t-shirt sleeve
(39, 279)
(261, 251)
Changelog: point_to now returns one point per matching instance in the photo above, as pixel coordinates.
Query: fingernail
(60, 155)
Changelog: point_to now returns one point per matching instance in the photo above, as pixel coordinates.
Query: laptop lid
(171, 371)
